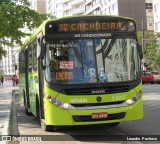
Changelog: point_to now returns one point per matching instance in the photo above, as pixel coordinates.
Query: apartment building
(38, 5)
(93, 7)
(156, 11)
(140, 10)
(149, 15)
(51, 7)
(62, 8)
(136, 9)
(7, 64)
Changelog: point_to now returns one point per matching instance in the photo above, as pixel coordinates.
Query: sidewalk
(5, 104)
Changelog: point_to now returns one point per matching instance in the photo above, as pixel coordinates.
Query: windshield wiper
(108, 49)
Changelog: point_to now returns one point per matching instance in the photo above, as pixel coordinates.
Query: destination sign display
(89, 26)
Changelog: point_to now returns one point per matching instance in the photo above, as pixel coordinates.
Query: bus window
(80, 65)
(117, 61)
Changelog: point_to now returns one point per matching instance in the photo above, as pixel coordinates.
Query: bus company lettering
(89, 26)
(64, 75)
(62, 45)
(94, 35)
(78, 100)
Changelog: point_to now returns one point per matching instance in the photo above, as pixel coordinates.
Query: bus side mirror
(140, 50)
(41, 50)
(41, 47)
(38, 48)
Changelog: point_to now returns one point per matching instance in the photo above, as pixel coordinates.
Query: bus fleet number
(118, 98)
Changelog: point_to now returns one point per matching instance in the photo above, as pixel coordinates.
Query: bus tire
(38, 114)
(45, 127)
(115, 124)
(38, 109)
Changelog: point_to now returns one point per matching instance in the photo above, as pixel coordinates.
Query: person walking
(2, 79)
(13, 80)
(16, 80)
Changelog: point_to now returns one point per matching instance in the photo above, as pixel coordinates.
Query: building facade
(38, 5)
(7, 64)
(62, 8)
(156, 11)
(140, 10)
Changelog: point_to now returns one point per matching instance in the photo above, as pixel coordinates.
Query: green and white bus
(82, 70)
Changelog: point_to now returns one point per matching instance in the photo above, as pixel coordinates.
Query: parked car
(156, 76)
(147, 77)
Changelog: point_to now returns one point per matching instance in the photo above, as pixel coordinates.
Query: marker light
(134, 99)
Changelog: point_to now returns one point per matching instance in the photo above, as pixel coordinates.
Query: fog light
(129, 102)
(53, 100)
(59, 103)
(65, 105)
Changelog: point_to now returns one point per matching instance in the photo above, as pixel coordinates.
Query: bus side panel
(33, 77)
(32, 94)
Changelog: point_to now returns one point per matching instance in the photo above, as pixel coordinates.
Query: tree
(152, 57)
(14, 16)
(150, 45)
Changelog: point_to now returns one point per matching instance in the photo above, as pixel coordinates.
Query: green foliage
(151, 54)
(2, 52)
(14, 16)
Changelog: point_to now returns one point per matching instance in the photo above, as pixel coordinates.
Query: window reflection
(92, 60)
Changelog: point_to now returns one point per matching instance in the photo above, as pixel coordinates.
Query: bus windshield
(92, 60)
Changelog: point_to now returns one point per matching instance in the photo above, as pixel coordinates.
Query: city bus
(82, 70)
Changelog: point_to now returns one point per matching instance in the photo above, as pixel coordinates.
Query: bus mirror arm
(41, 47)
(43, 65)
(140, 50)
(43, 43)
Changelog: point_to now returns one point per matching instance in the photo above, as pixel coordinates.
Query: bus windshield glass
(92, 60)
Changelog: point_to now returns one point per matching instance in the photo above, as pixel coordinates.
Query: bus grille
(88, 118)
(90, 91)
(97, 104)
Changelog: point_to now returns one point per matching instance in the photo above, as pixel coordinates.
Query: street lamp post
(15, 68)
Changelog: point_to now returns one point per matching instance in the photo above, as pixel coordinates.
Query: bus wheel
(115, 124)
(25, 106)
(27, 111)
(46, 127)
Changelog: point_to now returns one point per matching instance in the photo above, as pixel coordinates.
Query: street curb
(10, 126)
(5, 131)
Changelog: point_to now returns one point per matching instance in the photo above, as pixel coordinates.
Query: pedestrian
(2, 79)
(13, 80)
(16, 80)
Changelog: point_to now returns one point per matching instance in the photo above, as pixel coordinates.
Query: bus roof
(41, 28)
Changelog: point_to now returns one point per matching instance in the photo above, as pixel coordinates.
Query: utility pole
(143, 61)
(15, 68)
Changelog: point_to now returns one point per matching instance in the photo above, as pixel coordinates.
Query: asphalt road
(150, 125)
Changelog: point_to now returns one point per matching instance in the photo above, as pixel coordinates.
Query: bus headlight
(134, 99)
(65, 105)
(58, 103)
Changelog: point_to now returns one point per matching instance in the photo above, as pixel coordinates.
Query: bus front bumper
(60, 117)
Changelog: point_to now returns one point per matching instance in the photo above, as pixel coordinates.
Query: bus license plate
(99, 115)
